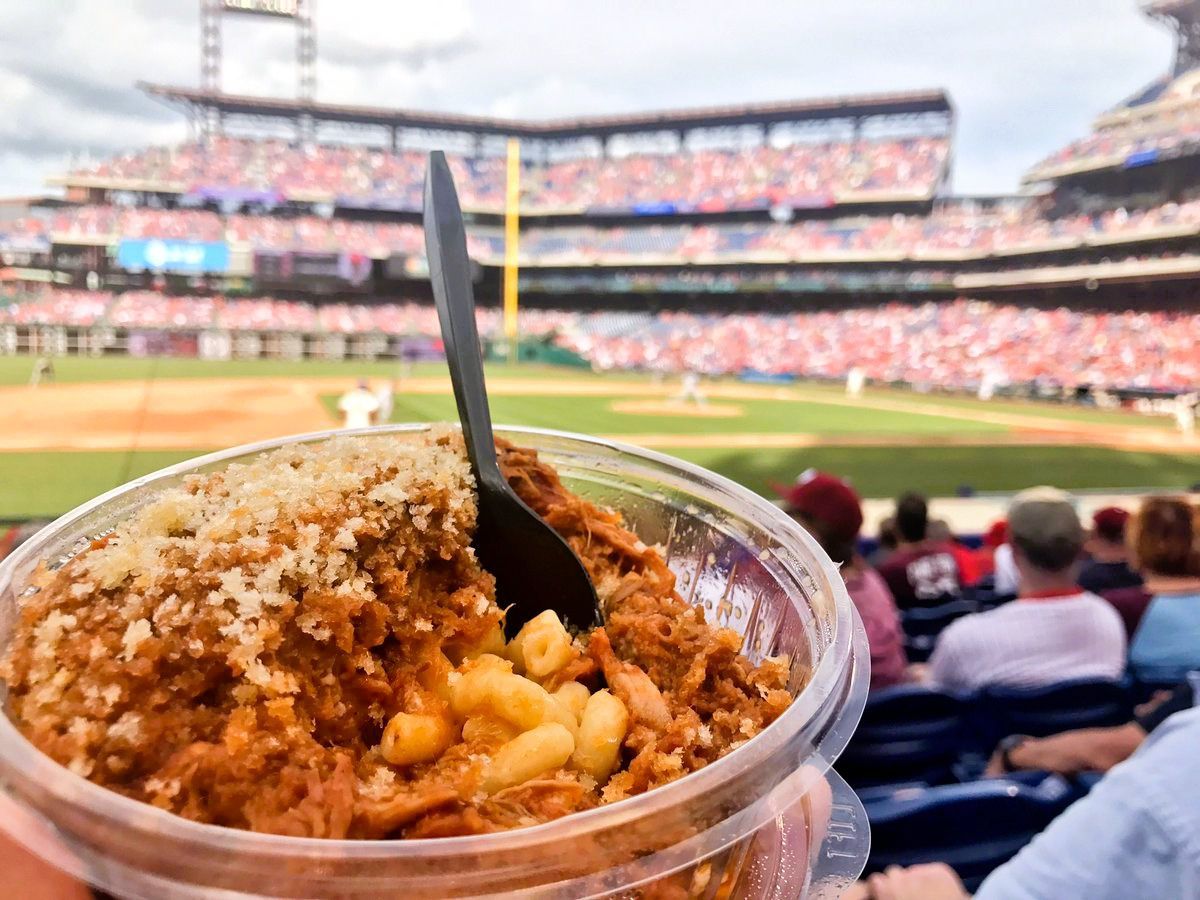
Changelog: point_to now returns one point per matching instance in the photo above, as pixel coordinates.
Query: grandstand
(816, 217)
(230, 288)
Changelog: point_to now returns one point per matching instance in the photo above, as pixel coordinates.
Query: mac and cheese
(305, 644)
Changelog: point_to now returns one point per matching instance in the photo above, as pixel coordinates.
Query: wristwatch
(1007, 746)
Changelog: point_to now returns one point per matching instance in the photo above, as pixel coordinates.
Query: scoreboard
(284, 9)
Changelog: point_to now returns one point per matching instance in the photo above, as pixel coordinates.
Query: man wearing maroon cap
(831, 511)
(1108, 566)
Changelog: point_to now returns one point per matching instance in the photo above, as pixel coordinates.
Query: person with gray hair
(1054, 631)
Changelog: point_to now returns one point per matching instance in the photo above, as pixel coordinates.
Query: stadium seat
(972, 827)
(907, 733)
(998, 712)
(923, 625)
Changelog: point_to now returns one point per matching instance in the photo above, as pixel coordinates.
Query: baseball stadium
(181, 299)
(789, 294)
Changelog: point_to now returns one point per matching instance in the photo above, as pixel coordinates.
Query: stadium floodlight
(298, 11)
(287, 9)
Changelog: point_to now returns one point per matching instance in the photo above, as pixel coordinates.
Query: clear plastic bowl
(769, 820)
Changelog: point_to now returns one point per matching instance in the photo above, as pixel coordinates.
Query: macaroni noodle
(601, 731)
(528, 755)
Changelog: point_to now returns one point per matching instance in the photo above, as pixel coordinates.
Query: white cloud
(1025, 75)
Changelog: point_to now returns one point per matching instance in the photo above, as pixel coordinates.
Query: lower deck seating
(912, 733)
(972, 827)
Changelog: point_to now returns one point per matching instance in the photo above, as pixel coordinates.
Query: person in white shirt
(357, 406)
(1054, 631)
(385, 394)
(1185, 414)
(856, 380)
(690, 390)
(1005, 579)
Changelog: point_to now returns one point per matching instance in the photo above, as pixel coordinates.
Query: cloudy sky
(1026, 76)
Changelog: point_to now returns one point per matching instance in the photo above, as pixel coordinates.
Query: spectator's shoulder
(1180, 731)
(1104, 610)
(1164, 776)
(874, 580)
(969, 629)
(895, 562)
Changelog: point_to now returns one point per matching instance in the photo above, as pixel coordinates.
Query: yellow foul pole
(512, 221)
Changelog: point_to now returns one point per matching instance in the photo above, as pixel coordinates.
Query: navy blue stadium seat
(922, 625)
(907, 733)
(972, 827)
(986, 598)
(998, 712)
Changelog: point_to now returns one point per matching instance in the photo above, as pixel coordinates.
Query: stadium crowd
(701, 179)
(1067, 625)
(1164, 119)
(950, 228)
(956, 229)
(1170, 132)
(953, 345)
(946, 345)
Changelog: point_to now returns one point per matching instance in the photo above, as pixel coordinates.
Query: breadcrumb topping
(233, 651)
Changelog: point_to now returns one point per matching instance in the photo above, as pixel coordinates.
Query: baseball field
(104, 421)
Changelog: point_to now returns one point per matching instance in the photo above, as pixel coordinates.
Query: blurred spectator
(831, 511)
(888, 541)
(1053, 631)
(1165, 546)
(968, 569)
(1107, 567)
(1091, 749)
(1006, 579)
(1131, 604)
(13, 536)
(922, 571)
(1135, 835)
(711, 180)
(935, 344)
(985, 556)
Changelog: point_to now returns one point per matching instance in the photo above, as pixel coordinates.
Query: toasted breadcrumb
(232, 652)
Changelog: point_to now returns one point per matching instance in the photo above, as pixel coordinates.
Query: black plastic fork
(533, 566)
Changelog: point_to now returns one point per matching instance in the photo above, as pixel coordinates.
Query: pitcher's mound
(677, 408)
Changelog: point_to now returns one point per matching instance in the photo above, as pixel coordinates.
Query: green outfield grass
(1039, 408)
(941, 471)
(594, 415)
(43, 485)
(76, 369)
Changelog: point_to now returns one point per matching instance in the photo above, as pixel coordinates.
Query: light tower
(1183, 18)
(298, 12)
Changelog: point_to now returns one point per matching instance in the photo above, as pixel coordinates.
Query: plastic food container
(769, 820)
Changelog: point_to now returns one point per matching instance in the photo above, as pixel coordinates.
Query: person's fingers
(818, 809)
(881, 885)
(860, 890)
(28, 877)
(926, 881)
(995, 767)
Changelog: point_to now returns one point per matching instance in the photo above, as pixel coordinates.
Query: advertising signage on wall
(182, 257)
(292, 267)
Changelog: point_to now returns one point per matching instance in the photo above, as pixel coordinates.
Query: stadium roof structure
(909, 103)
